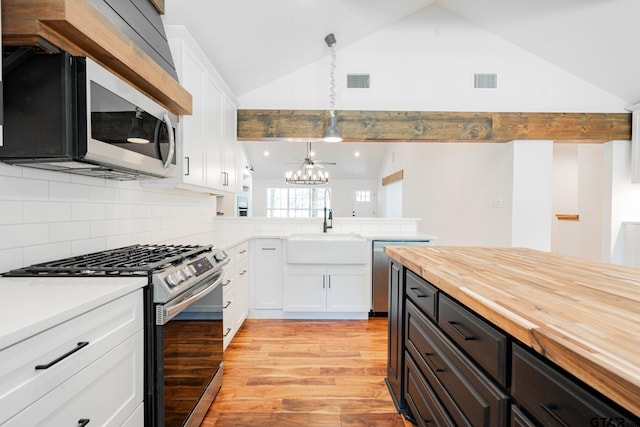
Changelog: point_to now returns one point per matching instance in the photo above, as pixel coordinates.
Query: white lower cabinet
(105, 393)
(331, 288)
(87, 368)
(235, 291)
(266, 274)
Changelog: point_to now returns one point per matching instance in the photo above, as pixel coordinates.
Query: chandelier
(308, 173)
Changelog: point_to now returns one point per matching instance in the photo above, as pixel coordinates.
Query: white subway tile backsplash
(105, 228)
(10, 259)
(87, 211)
(10, 212)
(10, 170)
(68, 191)
(66, 231)
(20, 235)
(46, 212)
(130, 196)
(87, 246)
(13, 188)
(48, 252)
(130, 226)
(118, 211)
(103, 194)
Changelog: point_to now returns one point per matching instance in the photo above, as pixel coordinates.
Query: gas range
(172, 269)
(183, 311)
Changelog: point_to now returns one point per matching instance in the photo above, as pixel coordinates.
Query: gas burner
(134, 260)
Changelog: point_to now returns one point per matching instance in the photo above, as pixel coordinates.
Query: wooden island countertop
(580, 314)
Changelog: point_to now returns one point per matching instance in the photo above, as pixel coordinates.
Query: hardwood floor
(306, 373)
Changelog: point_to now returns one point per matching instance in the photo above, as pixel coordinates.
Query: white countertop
(227, 240)
(30, 305)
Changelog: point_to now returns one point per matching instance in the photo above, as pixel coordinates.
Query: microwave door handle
(172, 141)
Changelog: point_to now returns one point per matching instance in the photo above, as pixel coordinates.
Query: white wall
(341, 194)
(450, 187)
(427, 62)
(51, 215)
(621, 199)
(532, 194)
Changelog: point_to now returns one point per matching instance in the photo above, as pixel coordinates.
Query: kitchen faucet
(326, 226)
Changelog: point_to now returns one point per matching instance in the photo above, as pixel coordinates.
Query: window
(304, 202)
(363, 195)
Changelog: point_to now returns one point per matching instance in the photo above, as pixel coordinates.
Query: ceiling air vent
(485, 81)
(358, 81)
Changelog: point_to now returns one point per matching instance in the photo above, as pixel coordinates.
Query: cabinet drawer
(518, 419)
(102, 328)
(555, 399)
(242, 251)
(484, 343)
(106, 392)
(422, 401)
(468, 395)
(422, 293)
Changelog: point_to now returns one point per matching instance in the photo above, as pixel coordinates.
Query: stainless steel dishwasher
(380, 273)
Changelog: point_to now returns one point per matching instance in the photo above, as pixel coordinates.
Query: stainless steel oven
(183, 321)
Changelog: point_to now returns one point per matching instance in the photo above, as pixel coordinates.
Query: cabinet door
(229, 146)
(305, 289)
(266, 277)
(213, 99)
(192, 127)
(396, 339)
(346, 290)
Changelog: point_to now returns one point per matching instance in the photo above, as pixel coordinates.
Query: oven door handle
(166, 312)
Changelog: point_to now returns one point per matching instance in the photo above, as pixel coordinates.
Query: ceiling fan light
(333, 134)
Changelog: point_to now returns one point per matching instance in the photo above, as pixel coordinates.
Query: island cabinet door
(396, 339)
(556, 399)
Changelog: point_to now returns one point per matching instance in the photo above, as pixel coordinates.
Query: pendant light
(332, 133)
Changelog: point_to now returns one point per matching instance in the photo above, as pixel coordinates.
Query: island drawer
(484, 343)
(468, 395)
(422, 293)
(421, 400)
(555, 399)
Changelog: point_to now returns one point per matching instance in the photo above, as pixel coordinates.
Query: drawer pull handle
(243, 272)
(226, 282)
(243, 251)
(419, 295)
(550, 409)
(83, 422)
(431, 364)
(78, 347)
(459, 331)
(228, 304)
(268, 249)
(227, 332)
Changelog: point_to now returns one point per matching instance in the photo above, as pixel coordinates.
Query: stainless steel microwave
(68, 113)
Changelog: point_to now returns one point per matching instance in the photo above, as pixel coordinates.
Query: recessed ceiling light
(266, 153)
(357, 154)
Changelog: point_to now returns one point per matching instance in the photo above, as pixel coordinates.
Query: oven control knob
(189, 270)
(172, 279)
(180, 275)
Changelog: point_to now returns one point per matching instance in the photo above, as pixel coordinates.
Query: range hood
(96, 29)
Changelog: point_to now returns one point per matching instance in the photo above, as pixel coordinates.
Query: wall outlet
(495, 203)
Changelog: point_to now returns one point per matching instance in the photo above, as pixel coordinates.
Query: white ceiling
(255, 42)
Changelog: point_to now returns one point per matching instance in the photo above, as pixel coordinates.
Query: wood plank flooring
(283, 373)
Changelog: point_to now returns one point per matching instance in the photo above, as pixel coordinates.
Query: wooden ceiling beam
(428, 126)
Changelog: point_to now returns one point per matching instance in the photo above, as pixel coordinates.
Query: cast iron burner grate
(135, 260)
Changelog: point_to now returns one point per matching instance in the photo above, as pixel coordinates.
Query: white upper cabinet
(207, 137)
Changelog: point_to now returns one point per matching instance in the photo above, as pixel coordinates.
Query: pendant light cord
(332, 81)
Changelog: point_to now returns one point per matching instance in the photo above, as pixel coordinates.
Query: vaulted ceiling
(254, 42)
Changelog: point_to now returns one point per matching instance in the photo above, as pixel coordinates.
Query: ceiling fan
(309, 163)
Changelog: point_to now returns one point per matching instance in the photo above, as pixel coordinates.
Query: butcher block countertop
(583, 315)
